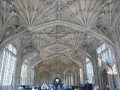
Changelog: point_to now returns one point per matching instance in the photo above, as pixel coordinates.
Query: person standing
(20, 88)
(44, 86)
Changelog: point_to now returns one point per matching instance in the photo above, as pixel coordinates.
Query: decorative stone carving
(57, 69)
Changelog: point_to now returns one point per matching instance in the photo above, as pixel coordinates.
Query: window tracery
(89, 70)
(24, 73)
(8, 65)
(105, 55)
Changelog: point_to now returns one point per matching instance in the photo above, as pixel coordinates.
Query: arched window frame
(105, 55)
(106, 58)
(24, 73)
(89, 71)
(8, 65)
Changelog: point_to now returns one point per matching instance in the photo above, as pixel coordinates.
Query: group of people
(58, 85)
(43, 87)
(89, 86)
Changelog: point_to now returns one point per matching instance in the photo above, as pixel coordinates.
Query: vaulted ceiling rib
(57, 28)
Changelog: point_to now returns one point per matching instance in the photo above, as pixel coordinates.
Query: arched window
(24, 73)
(81, 76)
(71, 77)
(105, 54)
(44, 77)
(119, 28)
(89, 70)
(8, 64)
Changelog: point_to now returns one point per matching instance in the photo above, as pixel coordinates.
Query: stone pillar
(18, 70)
(84, 72)
(78, 77)
(18, 74)
(111, 83)
(35, 76)
(117, 77)
(116, 37)
(1, 67)
(31, 76)
(81, 76)
(97, 73)
(117, 81)
(116, 50)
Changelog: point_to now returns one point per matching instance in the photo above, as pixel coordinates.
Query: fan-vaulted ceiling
(58, 29)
